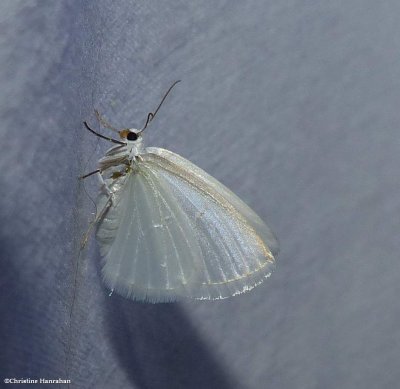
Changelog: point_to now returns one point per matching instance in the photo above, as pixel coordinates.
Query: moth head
(130, 134)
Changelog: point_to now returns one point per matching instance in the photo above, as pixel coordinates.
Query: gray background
(294, 105)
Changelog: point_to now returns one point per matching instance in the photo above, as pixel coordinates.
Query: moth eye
(132, 136)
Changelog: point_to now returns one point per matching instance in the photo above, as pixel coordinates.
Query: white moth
(167, 230)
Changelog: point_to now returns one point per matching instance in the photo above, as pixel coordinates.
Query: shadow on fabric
(159, 347)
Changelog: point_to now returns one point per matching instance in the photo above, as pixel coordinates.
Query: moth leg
(105, 188)
(107, 205)
(98, 217)
(89, 174)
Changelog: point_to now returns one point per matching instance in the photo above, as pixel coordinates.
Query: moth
(167, 230)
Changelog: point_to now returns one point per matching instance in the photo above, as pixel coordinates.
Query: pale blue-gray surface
(294, 105)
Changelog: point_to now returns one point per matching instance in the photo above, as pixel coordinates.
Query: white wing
(174, 231)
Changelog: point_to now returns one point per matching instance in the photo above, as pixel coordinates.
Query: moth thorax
(136, 147)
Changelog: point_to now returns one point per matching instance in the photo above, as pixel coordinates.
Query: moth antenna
(102, 136)
(104, 122)
(151, 115)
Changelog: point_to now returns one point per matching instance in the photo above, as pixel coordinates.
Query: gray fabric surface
(294, 105)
